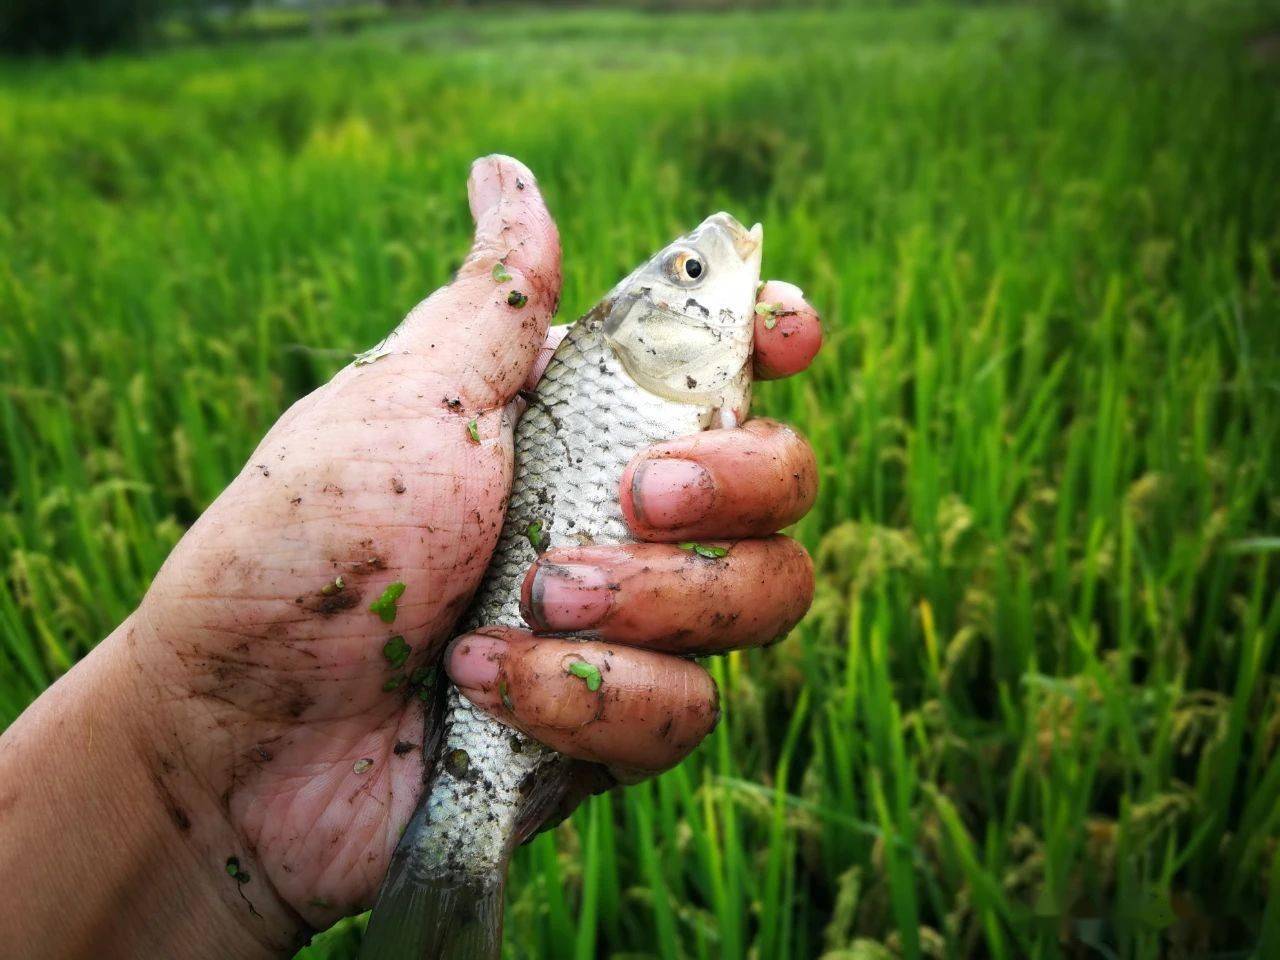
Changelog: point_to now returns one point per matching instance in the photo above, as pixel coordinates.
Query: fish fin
(436, 918)
(548, 802)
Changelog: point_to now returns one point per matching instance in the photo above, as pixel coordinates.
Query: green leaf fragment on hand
(394, 682)
(423, 680)
(234, 871)
(385, 605)
(363, 765)
(500, 274)
(396, 651)
(702, 550)
(372, 355)
(505, 694)
(516, 299)
(473, 431)
(769, 311)
(536, 537)
(329, 589)
(588, 672)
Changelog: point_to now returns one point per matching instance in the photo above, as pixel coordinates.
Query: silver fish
(666, 353)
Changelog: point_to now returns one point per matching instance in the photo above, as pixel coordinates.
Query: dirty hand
(233, 766)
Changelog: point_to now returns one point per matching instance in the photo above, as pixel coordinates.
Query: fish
(666, 353)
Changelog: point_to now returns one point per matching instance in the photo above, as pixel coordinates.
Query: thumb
(483, 331)
(512, 226)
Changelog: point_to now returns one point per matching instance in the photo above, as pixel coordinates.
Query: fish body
(665, 354)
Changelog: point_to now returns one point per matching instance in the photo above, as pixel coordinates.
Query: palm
(283, 647)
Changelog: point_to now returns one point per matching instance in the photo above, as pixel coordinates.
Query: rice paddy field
(1034, 712)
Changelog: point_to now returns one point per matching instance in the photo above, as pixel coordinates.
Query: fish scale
(622, 380)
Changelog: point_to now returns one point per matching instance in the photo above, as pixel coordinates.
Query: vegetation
(30, 26)
(1034, 712)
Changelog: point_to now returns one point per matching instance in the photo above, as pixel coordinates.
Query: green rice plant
(1034, 710)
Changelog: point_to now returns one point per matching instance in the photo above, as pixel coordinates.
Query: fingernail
(671, 493)
(473, 660)
(568, 596)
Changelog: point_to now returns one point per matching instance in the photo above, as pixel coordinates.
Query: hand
(639, 603)
(248, 770)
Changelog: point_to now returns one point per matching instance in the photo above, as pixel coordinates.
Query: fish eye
(687, 267)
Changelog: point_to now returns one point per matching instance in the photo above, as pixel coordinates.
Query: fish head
(682, 323)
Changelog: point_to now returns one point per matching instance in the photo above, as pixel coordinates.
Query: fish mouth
(745, 242)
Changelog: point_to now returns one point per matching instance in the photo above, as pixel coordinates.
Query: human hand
(250, 688)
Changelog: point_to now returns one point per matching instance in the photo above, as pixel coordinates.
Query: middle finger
(664, 597)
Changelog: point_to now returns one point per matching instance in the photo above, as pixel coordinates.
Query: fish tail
(442, 898)
(437, 918)
(435, 902)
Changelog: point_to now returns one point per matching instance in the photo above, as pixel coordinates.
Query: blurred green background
(1034, 711)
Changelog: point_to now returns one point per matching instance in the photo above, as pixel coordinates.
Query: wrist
(115, 847)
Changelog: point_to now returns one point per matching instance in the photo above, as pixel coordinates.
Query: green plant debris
(234, 871)
(473, 430)
(335, 586)
(385, 605)
(588, 672)
(770, 312)
(516, 299)
(702, 550)
(500, 274)
(372, 355)
(505, 694)
(363, 765)
(394, 683)
(422, 681)
(395, 651)
(537, 538)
